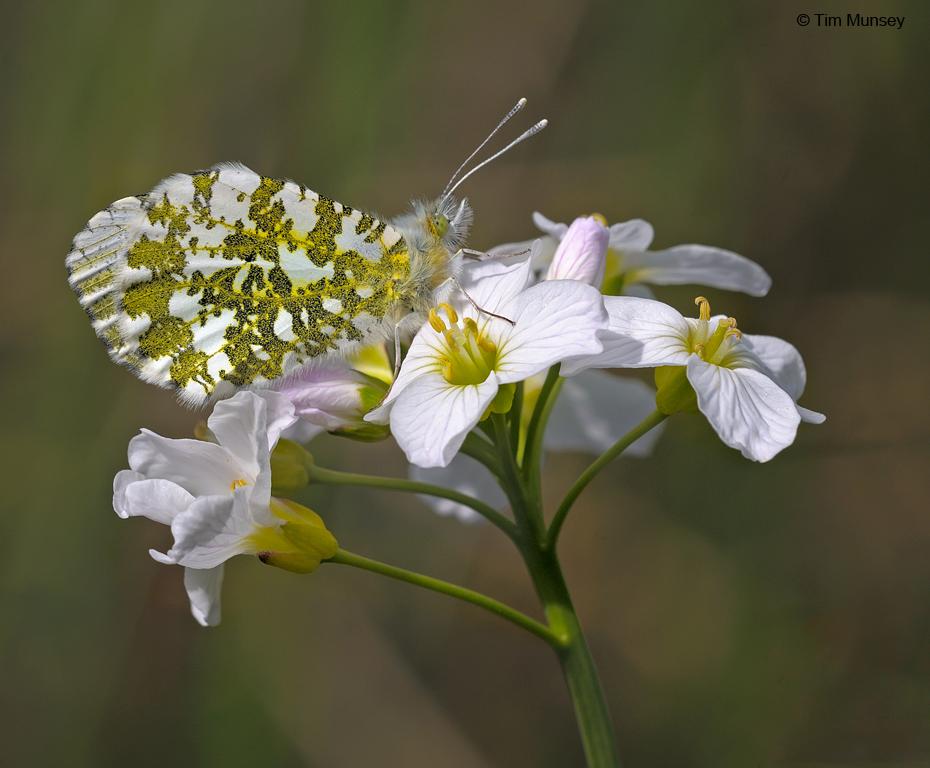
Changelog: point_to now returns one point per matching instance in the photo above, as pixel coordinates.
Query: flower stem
(594, 722)
(453, 590)
(591, 714)
(651, 421)
(334, 477)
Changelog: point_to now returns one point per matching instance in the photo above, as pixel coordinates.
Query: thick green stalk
(594, 722)
(452, 590)
(651, 421)
(591, 714)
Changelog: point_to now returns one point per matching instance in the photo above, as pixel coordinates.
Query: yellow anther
(436, 321)
(470, 325)
(238, 483)
(487, 346)
(450, 312)
(698, 349)
(600, 218)
(703, 306)
(734, 332)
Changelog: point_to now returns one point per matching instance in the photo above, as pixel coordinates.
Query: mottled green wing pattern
(224, 279)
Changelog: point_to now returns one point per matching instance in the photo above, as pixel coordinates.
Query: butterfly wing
(225, 279)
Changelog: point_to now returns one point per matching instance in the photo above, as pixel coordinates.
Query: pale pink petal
(582, 254)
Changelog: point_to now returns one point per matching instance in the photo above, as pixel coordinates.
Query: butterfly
(224, 279)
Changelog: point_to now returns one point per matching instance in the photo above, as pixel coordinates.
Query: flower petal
(552, 228)
(810, 417)
(158, 500)
(553, 320)
(248, 424)
(212, 530)
(203, 587)
(698, 265)
(432, 417)
(494, 287)
(540, 251)
(632, 235)
(327, 396)
(595, 409)
(124, 478)
(781, 360)
(422, 359)
(748, 410)
(465, 475)
(642, 334)
(199, 467)
(582, 254)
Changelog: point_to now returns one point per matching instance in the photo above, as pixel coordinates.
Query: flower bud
(582, 254)
(289, 462)
(302, 543)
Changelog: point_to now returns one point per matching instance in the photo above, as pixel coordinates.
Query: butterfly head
(446, 222)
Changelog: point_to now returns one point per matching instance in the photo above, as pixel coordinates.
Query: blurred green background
(741, 615)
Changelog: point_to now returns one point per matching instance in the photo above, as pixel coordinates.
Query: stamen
(735, 333)
(238, 483)
(436, 321)
(703, 306)
(450, 312)
(600, 218)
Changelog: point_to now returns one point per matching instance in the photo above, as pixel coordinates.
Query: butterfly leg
(475, 304)
(396, 350)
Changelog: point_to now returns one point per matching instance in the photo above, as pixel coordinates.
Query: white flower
(216, 496)
(458, 367)
(593, 411)
(746, 386)
(630, 263)
(335, 395)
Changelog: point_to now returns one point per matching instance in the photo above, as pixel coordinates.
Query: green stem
(651, 421)
(537, 426)
(334, 477)
(591, 714)
(453, 590)
(510, 479)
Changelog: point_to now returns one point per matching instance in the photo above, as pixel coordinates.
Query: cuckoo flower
(746, 386)
(593, 411)
(335, 395)
(216, 497)
(463, 363)
(630, 263)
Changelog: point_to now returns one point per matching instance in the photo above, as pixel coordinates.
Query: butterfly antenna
(522, 137)
(516, 108)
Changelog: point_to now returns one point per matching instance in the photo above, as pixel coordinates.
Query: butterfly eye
(440, 225)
